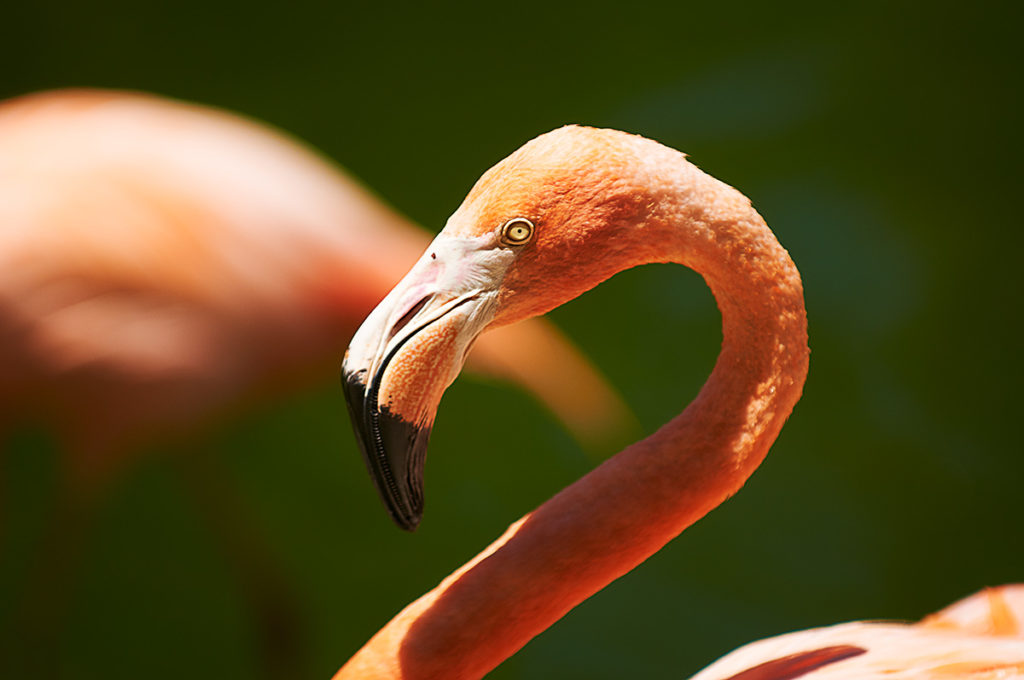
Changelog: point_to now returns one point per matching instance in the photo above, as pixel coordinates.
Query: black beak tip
(410, 523)
(393, 449)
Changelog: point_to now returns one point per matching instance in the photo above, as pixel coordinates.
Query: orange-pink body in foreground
(161, 263)
(603, 201)
(980, 638)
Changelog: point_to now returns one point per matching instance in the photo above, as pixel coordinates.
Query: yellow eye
(516, 231)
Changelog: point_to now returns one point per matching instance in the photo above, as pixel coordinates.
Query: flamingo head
(538, 229)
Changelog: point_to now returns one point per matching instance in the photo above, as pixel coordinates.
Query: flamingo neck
(612, 519)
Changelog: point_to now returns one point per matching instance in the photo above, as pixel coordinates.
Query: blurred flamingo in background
(557, 217)
(164, 264)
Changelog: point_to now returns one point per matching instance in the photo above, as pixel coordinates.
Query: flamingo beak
(403, 357)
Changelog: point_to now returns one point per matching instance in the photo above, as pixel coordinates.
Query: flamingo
(563, 213)
(163, 264)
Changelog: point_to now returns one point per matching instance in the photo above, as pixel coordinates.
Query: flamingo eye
(516, 231)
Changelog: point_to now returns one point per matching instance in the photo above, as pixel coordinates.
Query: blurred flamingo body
(162, 263)
(557, 217)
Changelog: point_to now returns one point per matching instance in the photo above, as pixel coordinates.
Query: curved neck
(612, 519)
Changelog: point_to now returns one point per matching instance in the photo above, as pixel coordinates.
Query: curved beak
(403, 357)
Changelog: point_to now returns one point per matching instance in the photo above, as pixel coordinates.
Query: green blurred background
(881, 142)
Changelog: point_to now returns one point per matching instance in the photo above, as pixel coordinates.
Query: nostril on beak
(404, 320)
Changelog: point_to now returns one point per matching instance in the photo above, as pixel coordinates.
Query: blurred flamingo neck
(602, 526)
